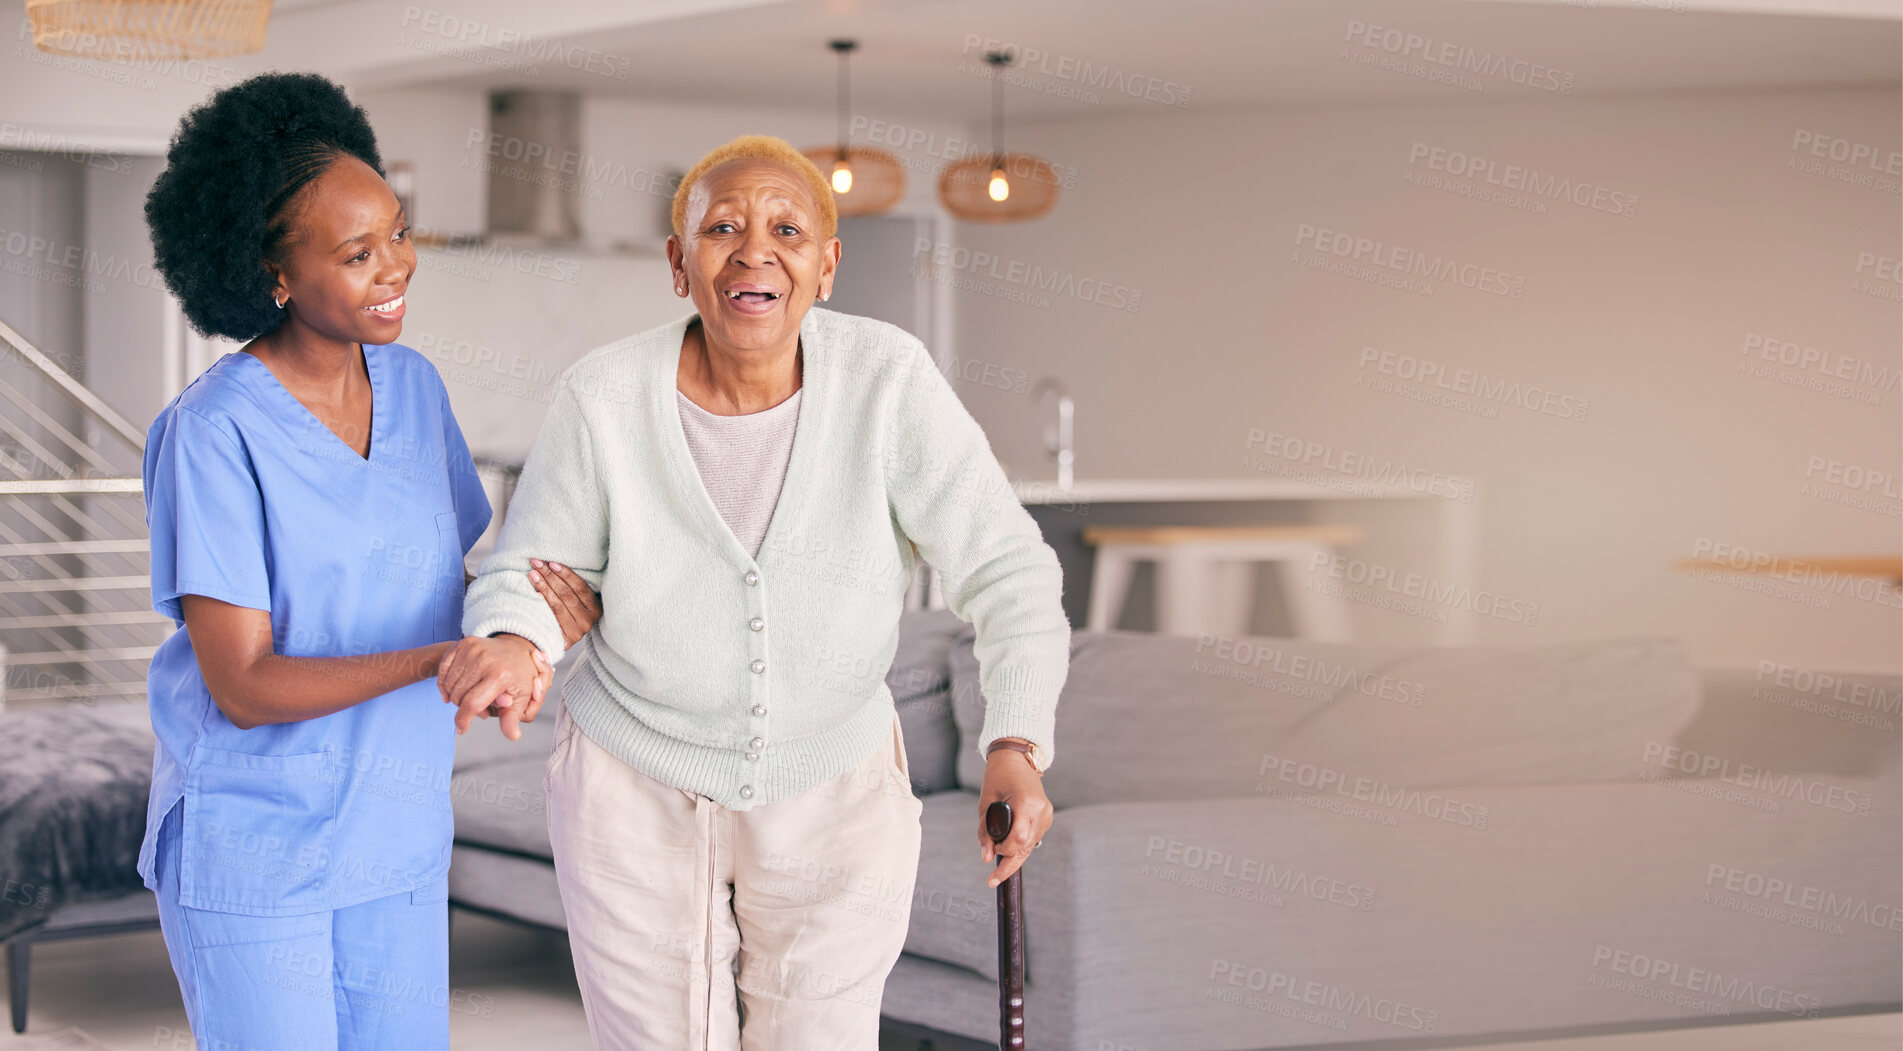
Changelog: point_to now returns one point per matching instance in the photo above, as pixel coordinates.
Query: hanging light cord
(999, 60)
(845, 95)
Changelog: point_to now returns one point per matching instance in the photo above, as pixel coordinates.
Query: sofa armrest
(1271, 922)
(1779, 717)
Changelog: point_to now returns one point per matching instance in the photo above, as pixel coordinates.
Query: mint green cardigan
(749, 680)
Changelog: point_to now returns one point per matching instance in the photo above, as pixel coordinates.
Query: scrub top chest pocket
(414, 564)
(258, 832)
(449, 578)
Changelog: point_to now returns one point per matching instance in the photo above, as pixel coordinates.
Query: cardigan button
(746, 791)
(758, 666)
(753, 755)
(759, 709)
(756, 744)
(751, 578)
(756, 624)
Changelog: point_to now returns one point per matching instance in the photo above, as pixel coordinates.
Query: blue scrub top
(251, 500)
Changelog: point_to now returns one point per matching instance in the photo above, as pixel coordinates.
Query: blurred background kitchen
(1381, 323)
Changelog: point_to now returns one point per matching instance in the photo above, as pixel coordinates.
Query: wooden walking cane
(1010, 938)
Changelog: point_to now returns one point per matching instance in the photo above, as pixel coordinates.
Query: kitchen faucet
(1058, 436)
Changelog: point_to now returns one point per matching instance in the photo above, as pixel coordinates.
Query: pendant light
(865, 181)
(998, 187)
(148, 30)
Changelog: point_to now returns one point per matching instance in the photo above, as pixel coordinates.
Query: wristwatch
(1039, 760)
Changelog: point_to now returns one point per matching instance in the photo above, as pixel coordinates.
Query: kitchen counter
(1196, 490)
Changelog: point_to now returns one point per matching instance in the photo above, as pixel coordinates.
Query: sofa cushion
(931, 742)
(1160, 717)
(502, 805)
(1155, 717)
(922, 664)
(1580, 711)
(1783, 718)
(507, 884)
(920, 680)
(952, 909)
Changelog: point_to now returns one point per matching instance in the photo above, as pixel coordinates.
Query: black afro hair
(218, 211)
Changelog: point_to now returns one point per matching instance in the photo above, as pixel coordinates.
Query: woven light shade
(878, 180)
(964, 188)
(145, 30)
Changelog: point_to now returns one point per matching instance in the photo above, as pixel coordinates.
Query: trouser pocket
(903, 762)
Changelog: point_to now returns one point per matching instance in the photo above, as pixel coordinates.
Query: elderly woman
(734, 830)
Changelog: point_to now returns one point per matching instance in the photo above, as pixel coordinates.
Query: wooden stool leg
(1317, 614)
(1179, 588)
(1229, 597)
(1109, 586)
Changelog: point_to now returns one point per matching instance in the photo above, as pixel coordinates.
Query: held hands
(1010, 776)
(505, 675)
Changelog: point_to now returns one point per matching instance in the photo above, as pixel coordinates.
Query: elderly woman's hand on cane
(1010, 776)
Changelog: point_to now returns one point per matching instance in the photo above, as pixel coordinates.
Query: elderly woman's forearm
(556, 514)
(952, 498)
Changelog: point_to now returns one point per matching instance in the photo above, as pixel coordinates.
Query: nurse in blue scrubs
(311, 501)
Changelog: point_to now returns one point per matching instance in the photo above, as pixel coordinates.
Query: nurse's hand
(507, 671)
(574, 603)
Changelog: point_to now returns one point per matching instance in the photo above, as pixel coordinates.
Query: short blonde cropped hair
(765, 148)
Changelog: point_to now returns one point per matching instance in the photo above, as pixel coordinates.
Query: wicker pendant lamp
(998, 187)
(148, 30)
(866, 181)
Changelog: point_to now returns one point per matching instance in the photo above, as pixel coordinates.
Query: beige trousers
(698, 927)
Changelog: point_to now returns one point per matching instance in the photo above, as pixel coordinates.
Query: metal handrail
(76, 618)
(77, 390)
(29, 486)
(73, 547)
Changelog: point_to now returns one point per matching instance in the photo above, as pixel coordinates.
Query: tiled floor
(514, 988)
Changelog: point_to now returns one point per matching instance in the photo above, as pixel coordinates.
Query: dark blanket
(74, 778)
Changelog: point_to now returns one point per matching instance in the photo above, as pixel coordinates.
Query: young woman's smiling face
(348, 260)
(753, 257)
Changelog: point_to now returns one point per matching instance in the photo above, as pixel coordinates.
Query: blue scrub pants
(370, 977)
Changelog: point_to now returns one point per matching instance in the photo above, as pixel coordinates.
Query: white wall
(1644, 317)
(627, 146)
(126, 312)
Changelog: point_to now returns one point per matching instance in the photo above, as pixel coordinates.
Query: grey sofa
(1267, 843)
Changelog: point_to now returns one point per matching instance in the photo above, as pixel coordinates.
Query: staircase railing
(76, 618)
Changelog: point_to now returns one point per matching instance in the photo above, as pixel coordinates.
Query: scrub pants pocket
(367, 977)
(392, 972)
(273, 992)
(250, 983)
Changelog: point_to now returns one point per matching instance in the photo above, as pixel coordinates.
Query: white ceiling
(1226, 52)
